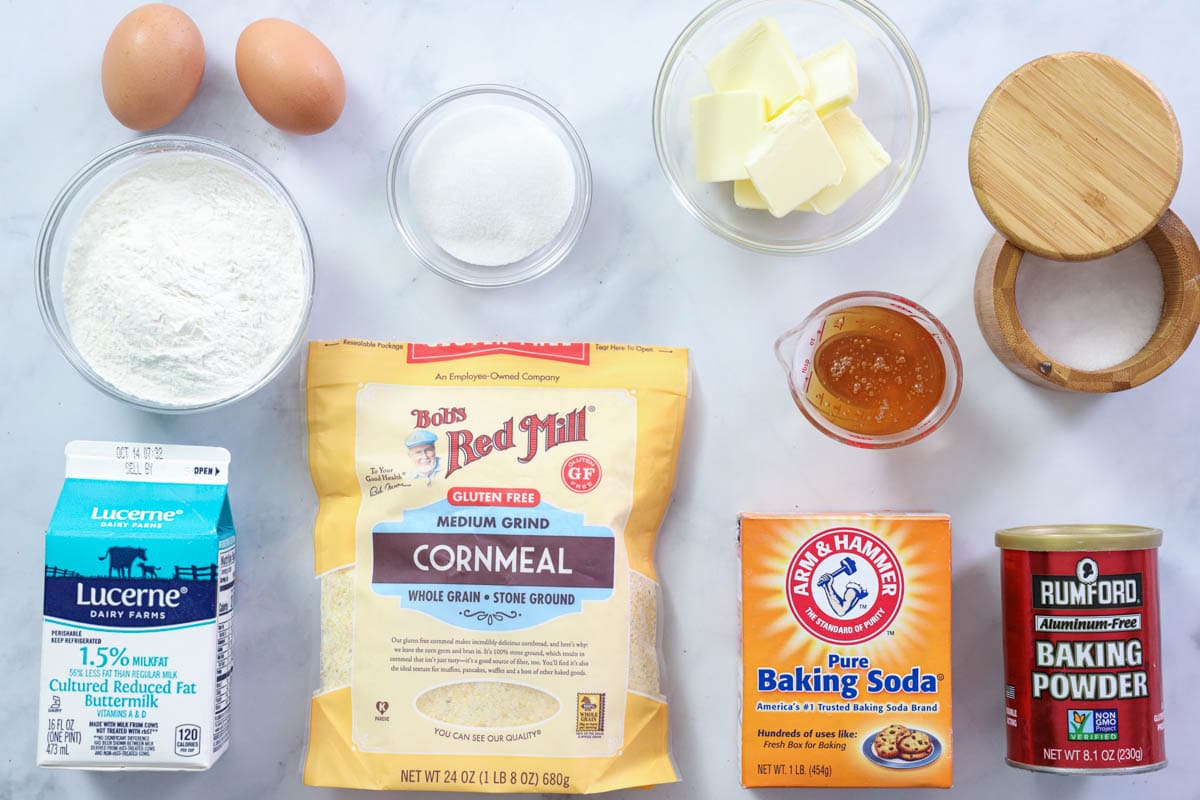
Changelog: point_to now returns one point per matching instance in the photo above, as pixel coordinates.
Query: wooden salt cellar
(1074, 157)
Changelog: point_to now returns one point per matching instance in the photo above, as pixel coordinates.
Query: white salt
(1091, 315)
(492, 185)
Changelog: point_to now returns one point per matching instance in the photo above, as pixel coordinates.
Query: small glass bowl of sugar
(489, 185)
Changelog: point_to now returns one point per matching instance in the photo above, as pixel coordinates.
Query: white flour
(184, 281)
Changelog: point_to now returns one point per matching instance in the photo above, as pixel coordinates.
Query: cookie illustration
(895, 729)
(915, 742)
(915, 756)
(890, 736)
(886, 747)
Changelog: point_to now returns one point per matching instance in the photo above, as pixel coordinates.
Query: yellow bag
(485, 544)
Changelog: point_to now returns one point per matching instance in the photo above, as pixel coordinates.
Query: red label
(581, 473)
(570, 353)
(492, 497)
(1082, 663)
(845, 586)
(540, 434)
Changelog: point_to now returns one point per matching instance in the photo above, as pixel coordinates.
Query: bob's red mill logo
(533, 434)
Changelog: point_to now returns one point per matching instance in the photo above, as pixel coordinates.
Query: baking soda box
(846, 650)
(138, 610)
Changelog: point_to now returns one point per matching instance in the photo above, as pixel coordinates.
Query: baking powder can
(1082, 648)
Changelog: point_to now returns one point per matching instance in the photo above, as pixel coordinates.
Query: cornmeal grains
(337, 627)
(485, 544)
(643, 635)
(487, 704)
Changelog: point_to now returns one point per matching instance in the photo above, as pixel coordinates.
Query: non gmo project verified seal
(1091, 724)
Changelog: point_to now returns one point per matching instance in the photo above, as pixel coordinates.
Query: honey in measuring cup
(876, 371)
(872, 369)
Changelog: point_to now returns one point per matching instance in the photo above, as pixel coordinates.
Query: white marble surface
(643, 272)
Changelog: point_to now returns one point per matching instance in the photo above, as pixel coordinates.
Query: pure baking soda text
(846, 650)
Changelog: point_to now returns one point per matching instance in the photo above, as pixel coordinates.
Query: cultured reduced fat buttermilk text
(138, 610)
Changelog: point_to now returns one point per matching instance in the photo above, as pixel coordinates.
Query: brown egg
(290, 77)
(152, 66)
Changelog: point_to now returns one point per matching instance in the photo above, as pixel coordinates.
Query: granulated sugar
(184, 282)
(492, 185)
(1091, 315)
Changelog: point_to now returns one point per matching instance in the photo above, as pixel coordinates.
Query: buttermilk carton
(845, 650)
(138, 606)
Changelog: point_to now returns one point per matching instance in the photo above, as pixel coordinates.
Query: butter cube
(759, 59)
(862, 154)
(794, 159)
(746, 196)
(833, 77)
(725, 126)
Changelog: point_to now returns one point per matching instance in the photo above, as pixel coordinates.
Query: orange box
(846, 650)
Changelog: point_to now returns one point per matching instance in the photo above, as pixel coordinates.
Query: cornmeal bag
(485, 545)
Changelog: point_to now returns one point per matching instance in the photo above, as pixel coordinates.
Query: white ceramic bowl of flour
(489, 185)
(175, 274)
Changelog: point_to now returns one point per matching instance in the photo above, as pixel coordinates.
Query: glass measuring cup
(797, 349)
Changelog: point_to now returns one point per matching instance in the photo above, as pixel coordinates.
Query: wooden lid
(1075, 156)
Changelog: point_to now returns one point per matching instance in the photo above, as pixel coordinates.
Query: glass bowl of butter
(791, 127)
